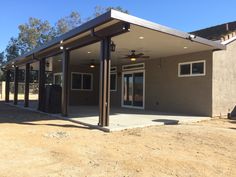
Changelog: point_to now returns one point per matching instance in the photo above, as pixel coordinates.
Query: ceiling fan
(133, 56)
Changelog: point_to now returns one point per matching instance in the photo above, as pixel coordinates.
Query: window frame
(57, 74)
(82, 77)
(114, 90)
(191, 68)
(113, 72)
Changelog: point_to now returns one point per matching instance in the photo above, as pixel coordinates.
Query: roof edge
(70, 34)
(229, 41)
(164, 29)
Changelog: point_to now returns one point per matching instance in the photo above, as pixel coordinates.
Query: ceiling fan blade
(139, 55)
(145, 57)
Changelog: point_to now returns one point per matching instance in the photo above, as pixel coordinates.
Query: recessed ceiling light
(185, 47)
(61, 41)
(92, 66)
(133, 59)
(61, 47)
(89, 52)
(141, 37)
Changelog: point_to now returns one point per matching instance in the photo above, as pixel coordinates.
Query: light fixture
(92, 65)
(61, 41)
(126, 27)
(47, 64)
(191, 37)
(185, 47)
(61, 47)
(141, 37)
(133, 59)
(113, 46)
(89, 52)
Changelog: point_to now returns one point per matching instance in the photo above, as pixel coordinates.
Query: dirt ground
(35, 145)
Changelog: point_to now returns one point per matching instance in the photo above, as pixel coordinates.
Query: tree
(98, 10)
(12, 49)
(33, 34)
(36, 32)
(67, 23)
(2, 58)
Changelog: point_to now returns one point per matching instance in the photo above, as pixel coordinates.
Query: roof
(216, 32)
(108, 19)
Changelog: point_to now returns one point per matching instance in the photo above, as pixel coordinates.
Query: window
(195, 68)
(57, 79)
(113, 77)
(81, 81)
(113, 82)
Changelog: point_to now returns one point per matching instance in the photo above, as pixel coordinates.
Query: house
(118, 60)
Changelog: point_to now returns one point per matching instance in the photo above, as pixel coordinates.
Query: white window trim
(114, 73)
(122, 91)
(113, 69)
(82, 81)
(56, 74)
(191, 63)
(133, 65)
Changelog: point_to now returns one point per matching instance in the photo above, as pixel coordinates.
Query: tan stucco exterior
(166, 92)
(210, 95)
(224, 80)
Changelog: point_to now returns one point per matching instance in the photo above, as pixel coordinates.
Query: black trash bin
(53, 99)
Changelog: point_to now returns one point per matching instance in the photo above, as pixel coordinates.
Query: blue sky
(185, 15)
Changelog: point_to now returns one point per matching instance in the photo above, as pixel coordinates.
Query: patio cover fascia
(107, 17)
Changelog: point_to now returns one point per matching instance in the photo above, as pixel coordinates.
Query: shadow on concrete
(13, 114)
(232, 128)
(232, 121)
(167, 121)
(57, 125)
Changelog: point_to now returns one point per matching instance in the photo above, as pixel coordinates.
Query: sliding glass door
(133, 89)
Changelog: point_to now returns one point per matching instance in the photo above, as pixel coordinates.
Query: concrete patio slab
(123, 118)
(120, 118)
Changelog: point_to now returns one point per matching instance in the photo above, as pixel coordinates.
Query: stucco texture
(166, 92)
(224, 81)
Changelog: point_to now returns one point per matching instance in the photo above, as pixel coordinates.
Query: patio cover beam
(65, 82)
(104, 92)
(7, 86)
(41, 92)
(16, 79)
(27, 80)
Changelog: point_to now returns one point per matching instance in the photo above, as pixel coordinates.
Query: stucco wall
(224, 80)
(78, 97)
(166, 92)
(81, 97)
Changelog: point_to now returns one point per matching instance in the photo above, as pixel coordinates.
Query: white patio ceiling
(150, 42)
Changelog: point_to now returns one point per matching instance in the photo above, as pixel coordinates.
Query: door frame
(122, 90)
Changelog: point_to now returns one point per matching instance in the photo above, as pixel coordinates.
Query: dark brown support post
(65, 82)
(27, 79)
(104, 92)
(41, 84)
(7, 88)
(16, 85)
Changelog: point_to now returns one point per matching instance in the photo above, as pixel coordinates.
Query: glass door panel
(133, 88)
(138, 89)
(128, 89)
